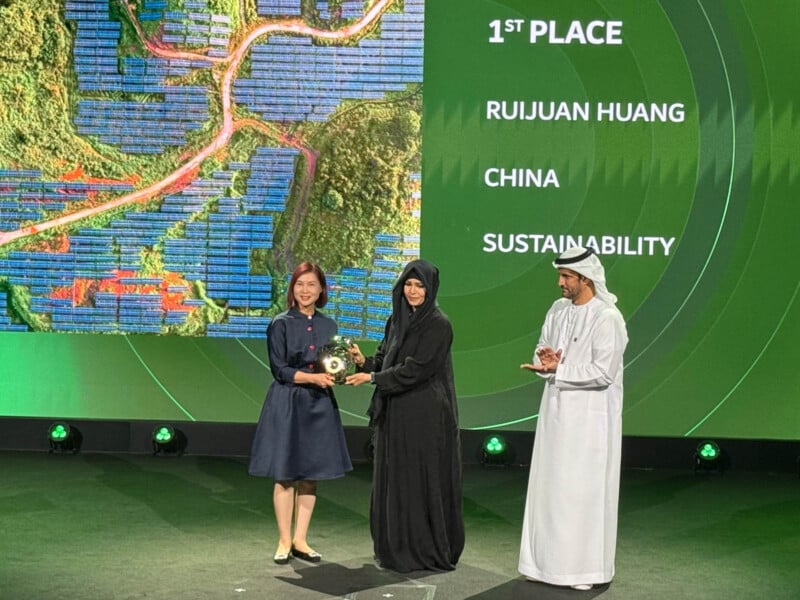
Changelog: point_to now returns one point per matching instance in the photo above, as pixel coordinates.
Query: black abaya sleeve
(431, 347)
(375, 362)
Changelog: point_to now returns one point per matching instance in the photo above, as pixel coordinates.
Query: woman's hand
(323, 380)
(356, 355)
(357, 379)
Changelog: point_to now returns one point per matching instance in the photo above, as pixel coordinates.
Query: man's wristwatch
(372, 377)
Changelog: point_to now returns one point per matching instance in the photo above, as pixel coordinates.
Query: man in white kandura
(569, 533)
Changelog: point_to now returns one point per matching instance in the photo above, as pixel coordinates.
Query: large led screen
(164, 164)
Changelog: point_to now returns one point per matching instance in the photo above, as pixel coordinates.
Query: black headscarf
(404, 318)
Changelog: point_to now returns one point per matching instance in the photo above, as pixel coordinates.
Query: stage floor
(112, 526)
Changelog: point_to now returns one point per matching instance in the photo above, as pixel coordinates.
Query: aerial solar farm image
(165, 164)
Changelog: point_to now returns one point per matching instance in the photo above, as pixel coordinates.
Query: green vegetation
(34, 106)
(152, 262)
(227, 7)
(332, 200)
(20, 302)
(249, 12)
(196, 323)
(366, 154)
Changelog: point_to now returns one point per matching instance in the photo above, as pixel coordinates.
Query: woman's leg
(283, 499)
(304, 508)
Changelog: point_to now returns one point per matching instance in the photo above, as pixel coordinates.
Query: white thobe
(569, 532)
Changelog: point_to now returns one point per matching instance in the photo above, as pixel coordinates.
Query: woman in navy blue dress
(299, 439)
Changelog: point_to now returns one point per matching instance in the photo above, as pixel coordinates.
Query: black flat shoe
(312, 556)
(281, 558)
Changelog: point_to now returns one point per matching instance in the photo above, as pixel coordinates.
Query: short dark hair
(302, 269)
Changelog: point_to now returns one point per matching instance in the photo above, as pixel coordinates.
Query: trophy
(335, 358)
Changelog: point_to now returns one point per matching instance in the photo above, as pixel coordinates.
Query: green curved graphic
(693, 201)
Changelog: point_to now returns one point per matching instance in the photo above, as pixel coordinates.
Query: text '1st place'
(594, 33)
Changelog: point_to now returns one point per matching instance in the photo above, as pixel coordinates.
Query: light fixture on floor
(708, 457)
(495, 451)
(168, 441)
(63, 437)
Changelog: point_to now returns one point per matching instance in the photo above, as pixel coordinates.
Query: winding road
(179, 178)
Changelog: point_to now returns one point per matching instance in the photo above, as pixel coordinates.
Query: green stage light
(495, 451)
(708, 451)
(494, 444)
(59, 432)
(708, 457)
(163, 434)
(62, 437)
(168, 441)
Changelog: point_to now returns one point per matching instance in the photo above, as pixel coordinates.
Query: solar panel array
(349, 9)
(292, 79)
(360, 300)
(140, 126)
(26, 198)
(194, 27)
(272, 8)
(202, 239)
(215, 251)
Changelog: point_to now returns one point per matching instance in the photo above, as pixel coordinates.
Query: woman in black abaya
(415, 514)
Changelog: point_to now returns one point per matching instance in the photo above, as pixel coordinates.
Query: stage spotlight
(64, 438)
(495, 451)
(168, 441)
(708, 457)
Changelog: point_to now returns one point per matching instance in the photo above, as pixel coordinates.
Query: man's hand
(548, 359)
